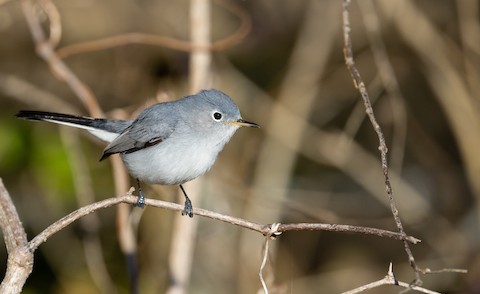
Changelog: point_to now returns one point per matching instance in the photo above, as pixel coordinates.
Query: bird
(169, 143)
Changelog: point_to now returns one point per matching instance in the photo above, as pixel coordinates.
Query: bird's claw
(140, 201)
(188, 208)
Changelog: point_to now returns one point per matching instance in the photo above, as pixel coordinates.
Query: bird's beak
(244, 123)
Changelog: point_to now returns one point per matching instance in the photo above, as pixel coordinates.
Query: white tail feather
(101, 134)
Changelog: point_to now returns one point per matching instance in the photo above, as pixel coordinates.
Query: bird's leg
(141, 199)
(188, 209)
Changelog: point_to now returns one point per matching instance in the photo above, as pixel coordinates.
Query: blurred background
(316, 158)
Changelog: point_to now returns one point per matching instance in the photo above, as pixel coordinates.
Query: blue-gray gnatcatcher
(169, 143)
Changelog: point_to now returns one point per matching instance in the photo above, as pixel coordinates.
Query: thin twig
(55, 33)
(444, 270)
(164, 41)
(77, 214)
(389, 279)
(358, 82)
(389, 81)
(272, 233)
(346, 228)
(262, 266)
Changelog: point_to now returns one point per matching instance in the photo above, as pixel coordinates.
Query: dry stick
(389, 279)
(357, 80)
(264, 229)
(272, 233)
(346, 228)
(389, 81)
(55, 34)
(163, 41)
(75, 215)
(20, 260)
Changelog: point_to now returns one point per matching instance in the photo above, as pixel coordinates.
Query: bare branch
(13, 232)
(20, 260)
(164, 41)
(346, 228)
(75, 215)
(389, 81)
(389, 279)
(263, 229)
(358, 82)
(54, 19)
(444, 270)
(21, 252)
(272, 233)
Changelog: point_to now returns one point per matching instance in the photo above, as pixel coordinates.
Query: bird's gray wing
(152, 127)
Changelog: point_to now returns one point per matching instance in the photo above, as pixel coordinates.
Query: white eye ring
(217, 116)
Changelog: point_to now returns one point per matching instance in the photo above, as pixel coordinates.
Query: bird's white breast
(176, 160)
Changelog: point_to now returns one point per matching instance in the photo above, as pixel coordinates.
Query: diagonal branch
(46, 51)
(20, 260)
(13, 232)
(359, 84)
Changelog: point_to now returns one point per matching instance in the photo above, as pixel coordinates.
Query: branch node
(22, 257)
(273, 232)
(391, 275)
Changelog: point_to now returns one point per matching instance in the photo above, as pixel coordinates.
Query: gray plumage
(168, 143)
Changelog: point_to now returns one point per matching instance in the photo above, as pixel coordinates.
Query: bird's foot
(188, 209)
(140, 201)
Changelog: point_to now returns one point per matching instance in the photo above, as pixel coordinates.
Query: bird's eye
(217, 116)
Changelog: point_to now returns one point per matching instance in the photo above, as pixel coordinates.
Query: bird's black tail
(56, 117)
(105, 129)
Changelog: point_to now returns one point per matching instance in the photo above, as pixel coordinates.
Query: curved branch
(58, 67)
(261, 228)
(390, 279)
(13, 232)
(164, 41)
